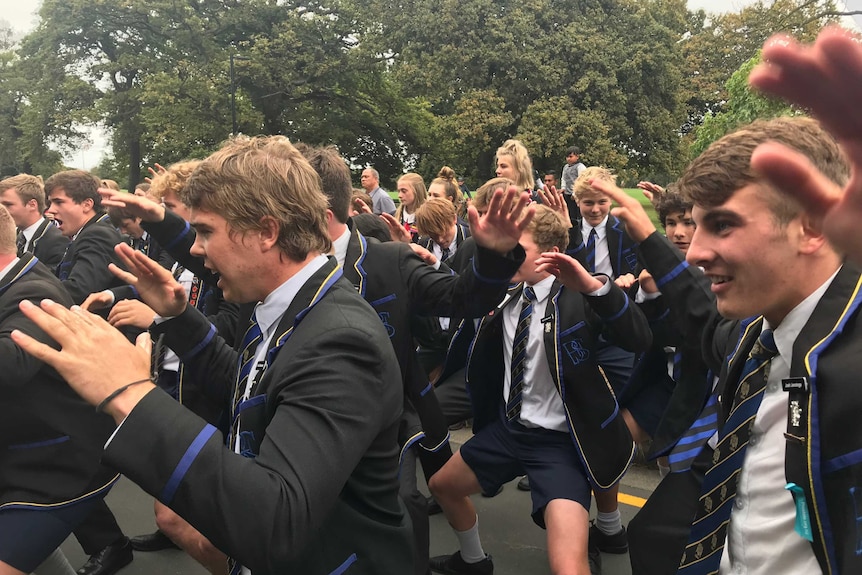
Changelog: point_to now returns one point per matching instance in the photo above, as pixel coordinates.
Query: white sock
(55, 564)
(609, 523)
(471, 546)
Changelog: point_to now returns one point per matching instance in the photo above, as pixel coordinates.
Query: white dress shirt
(760, 538)
(603, 254)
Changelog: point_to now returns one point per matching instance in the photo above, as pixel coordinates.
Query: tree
(743, 106)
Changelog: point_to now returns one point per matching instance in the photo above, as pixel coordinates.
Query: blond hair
(548, 229)
(582, 188)
(482, 196)
(173, 180)
(420, 193)
(8, 234)
(521, 162)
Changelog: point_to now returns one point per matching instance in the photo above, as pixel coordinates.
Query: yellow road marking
(631, 500)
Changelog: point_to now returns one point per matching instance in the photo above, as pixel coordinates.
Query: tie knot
(529, 294)
(593, 232)
(765, 347)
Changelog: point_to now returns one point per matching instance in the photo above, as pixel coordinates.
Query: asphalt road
(508, 533)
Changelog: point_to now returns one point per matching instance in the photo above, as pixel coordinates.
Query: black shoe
(594, 557)
(524, 484)
(109, 560)
(616, 544)
(454, 565)
(155, 541)
(433, 507)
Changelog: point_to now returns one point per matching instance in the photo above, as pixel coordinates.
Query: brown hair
(582, 188)
(725, 167)
(420, 193)
(548, 229)
(110, 184)
(78, 186)
(436, 216)
(672, 202)
(334, 176)
(359, 194)
(118, 214)
(253, 178)
(174, 179)
(27, 187)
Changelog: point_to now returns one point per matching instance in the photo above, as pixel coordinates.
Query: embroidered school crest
(576, 351)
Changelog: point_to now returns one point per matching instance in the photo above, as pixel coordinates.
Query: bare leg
(567, 524)
(190, 540)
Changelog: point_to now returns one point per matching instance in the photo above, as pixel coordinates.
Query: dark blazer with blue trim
(573, 323)
(823, 453)
(48, 244)
(50, 439)
(84, 268)
(621, 247)
(319, 490)
(399, 286)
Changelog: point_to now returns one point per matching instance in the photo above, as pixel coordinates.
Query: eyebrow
(718, 214)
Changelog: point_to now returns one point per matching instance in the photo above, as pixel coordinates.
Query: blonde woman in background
(513, 162)
(411, 194)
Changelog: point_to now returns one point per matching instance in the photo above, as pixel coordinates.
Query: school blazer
(84, 268)
(400, 287)
(50, 439)
(621, 247)
(315, 489)
(824, 439)
(48, 244)
(572, 323)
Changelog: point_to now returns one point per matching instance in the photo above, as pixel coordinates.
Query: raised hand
(426, 255)
(629, 210)
(553, 198)
(141, 206)
(397, 232)
(653, 192)
(500, 227)
(569, 271)
(826, 79)
(156, 286)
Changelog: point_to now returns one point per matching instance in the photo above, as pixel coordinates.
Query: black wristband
(104, 403)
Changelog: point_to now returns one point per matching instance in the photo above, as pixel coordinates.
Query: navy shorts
(503, 451)
(28, 536)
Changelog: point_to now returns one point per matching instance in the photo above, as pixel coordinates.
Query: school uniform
(46, 242)
(585, 413)
(84, 267)
(315, 488)
(402, 288)
(50, 439)
(821, 438)
(462, 232)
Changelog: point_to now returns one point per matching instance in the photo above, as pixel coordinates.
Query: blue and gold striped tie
(591, 251)
(245, 360)
(519, 355)
(706, 540)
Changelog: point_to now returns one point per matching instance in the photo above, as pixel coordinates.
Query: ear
(268, 232)
(810, 231)
(88, 205)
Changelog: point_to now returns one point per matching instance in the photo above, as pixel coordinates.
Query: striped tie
(684, 452)
(245, 360)
(20, 243)
(703, 552)
(591, 251)
(519, 355)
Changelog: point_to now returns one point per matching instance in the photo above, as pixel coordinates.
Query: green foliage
(743, 106)
(398, 84)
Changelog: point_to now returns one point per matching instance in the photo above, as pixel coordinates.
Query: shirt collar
(8, 268)
(788, 330)
(542, 289)
(30, 230)
(340, 245)
(600, 229)
(269, 312)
